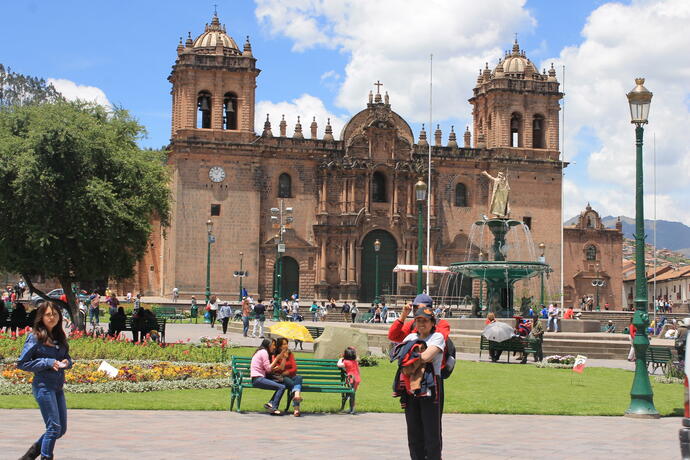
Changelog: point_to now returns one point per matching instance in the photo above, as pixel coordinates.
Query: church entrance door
(388, 258)
(290, 281)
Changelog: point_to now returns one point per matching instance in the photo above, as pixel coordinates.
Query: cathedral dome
(516, 62)
(215, 35)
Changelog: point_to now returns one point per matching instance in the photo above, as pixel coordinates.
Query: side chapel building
(347, 192)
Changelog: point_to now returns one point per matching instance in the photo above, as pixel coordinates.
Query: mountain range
(669, 235)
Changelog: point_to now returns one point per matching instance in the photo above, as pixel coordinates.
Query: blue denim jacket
(39, 358)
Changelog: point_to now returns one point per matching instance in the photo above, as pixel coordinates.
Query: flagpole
(654, 287)
(561, 295)
(428, 195)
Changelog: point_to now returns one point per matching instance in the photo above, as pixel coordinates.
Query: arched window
(203, 118)
(538, 132)
(460, 195)
(378, 188)
(284, 186)
(516, 130)
(591, 252)
(230, 111)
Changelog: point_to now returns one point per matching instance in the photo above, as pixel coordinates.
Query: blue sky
(321, 57)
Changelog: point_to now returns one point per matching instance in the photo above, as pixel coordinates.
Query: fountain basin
(499, 270)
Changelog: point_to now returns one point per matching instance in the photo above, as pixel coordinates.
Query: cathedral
(347, 191)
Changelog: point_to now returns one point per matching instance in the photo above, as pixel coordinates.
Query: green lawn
(473, 388)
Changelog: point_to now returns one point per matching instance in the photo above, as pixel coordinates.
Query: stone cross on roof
(378, 85)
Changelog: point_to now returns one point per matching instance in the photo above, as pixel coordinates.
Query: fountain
(500, 274)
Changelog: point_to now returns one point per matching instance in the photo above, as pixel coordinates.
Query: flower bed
(133, 376)
(558, 362)
(84, 347)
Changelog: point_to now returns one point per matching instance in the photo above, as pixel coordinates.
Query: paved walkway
(176, 331)
(204, 435)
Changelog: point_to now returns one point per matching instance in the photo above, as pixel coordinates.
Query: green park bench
(158, 326)
(169, 313)
(318, 376)
(659, 357)
(516, 344)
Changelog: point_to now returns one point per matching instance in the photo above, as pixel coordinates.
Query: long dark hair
(265, 345)
(41, 332)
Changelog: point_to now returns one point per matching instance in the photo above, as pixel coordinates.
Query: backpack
(448, 358)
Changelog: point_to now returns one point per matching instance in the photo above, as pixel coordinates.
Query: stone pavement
(211, 435)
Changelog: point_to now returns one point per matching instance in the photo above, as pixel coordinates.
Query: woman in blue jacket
(46, 354)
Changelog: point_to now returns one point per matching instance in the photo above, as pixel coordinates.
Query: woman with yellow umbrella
(284, 370)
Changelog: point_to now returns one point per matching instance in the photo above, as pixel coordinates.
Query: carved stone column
(352, 265)
(353, 194)
(324, 261)
(343, 262)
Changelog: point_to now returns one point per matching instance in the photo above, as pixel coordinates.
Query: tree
(77, 196)
(17, 89)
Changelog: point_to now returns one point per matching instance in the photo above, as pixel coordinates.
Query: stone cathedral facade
(346, 191)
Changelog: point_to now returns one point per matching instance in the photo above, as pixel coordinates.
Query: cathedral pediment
(377, 132)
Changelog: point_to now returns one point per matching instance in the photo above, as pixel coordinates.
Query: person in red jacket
(401, 329)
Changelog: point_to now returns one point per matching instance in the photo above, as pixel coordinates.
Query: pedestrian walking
(246, 311)
(552, 324)
(224, 315)
(314, 310)
(212, 309)
(353, 311)
(346, 312)
(295, 310)
(46, 354)
(94, 309)
(259, 318)
(384, 312)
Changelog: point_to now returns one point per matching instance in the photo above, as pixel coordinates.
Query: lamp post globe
(420, 189)
(641, 395)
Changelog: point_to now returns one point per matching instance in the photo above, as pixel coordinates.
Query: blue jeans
(551, 321)
(94, 314)
(293, 384)
(54, 412)
(245, 325)
(266, 384)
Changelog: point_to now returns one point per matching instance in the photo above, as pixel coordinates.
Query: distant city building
(593, 253)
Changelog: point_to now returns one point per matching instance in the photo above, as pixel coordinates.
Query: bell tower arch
(515, 106)
(213, 84)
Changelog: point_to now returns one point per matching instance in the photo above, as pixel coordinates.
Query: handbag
(208, 307)
(275, 377)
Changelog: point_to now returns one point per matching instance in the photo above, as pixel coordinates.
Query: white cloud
(73, 91)
(307, 107)
(391, 40)
(622, 42)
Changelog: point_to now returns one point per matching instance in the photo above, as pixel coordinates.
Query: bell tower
(515, 106)
(213, 84)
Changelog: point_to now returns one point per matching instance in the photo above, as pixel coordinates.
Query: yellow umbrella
(291, 331)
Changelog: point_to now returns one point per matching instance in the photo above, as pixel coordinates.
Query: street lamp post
(641, 395)
(210, 240)
(597, 283)
(281, 218)
(542, 259)
(241, 274)
(420, 193)
(377, 292)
